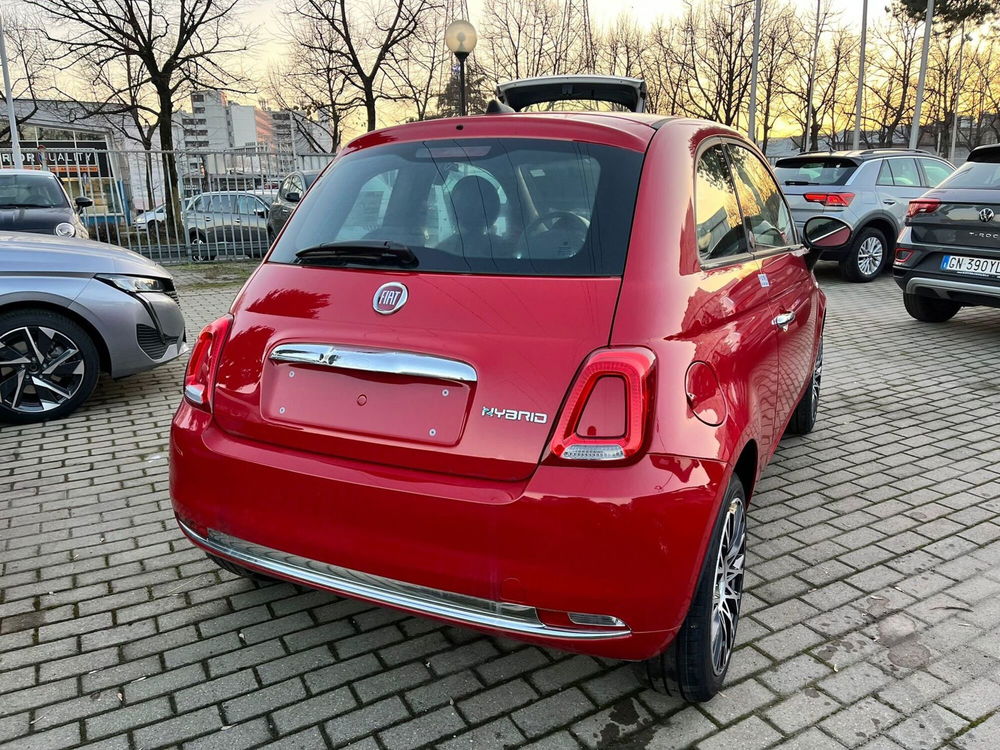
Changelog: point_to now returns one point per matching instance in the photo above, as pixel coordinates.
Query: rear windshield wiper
(361, 252)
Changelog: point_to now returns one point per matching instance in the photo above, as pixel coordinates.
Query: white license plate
(972, 266)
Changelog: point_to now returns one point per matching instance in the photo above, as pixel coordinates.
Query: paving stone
(313, 710)
(496, 735)
(423, 730)
(365, 720)
(749, 734)
(612, 724)
(552, 712)
(861, 722)
(498, 700)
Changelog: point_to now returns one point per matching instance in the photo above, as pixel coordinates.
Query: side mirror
(824, 233)
(262, 212)
(83, 202)
(293, 197)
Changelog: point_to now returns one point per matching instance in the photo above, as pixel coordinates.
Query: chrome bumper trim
(471, 610)
(947, 285)
(375, 360)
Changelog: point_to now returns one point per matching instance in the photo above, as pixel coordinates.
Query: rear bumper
(966, 291)
(599, 561)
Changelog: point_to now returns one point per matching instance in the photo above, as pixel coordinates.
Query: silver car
(70, 309)
(869, 190)
(231, 222)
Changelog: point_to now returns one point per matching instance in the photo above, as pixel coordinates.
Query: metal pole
(928, 22)
(859, 99)
(461, 84)
(958, 96)
(15, 142)
(754, 66)
(812, 83)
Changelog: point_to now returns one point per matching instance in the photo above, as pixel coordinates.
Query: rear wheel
(867, 256)
(48, 366)
(804, 417)
(929, 309)
(698, 659)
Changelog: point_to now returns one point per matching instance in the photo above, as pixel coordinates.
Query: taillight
(607, 413)
(841, 200)
(200, 376)
(903, 254)
(922, 206)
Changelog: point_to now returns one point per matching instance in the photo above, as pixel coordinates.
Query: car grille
(172, 293)
(150, 341)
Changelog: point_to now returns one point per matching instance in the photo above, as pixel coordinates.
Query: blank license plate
(971, 266)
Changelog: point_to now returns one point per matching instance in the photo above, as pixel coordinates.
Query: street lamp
(460, 36)
(15, 144)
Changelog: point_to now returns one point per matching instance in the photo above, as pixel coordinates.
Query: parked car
(233, 220)
(948, 254)
(155, 220)
(869, 190)
(70, 309)
(516, 372)
(33, 200)
(293, 187)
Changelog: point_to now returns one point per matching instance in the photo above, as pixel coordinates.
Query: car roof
(990, 153)
(29, 171)
(866, 154)
(624, 129)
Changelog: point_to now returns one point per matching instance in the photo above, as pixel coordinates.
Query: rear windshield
(975, 175)
(812, 170)
(512, 206)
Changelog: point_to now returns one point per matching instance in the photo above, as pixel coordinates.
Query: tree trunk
(370, 107)
(175, 224)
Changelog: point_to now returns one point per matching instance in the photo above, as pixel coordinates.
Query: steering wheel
(535, 225)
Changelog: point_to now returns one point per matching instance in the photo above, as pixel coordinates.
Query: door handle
(889, 202)
(784, 320)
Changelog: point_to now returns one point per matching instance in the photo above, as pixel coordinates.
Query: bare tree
(360, 41)
(28, 51)
(525, 38)
(420, 65)
(168, 49)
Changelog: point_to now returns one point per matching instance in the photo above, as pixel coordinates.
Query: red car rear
(519, 372)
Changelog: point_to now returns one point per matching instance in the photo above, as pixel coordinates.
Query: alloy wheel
(40, 369)
(870, 256)
(727, 590)
(817, 378)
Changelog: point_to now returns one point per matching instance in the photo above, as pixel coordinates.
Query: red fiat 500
(518, 372)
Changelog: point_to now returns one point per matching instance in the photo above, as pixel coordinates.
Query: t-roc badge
(389, 298)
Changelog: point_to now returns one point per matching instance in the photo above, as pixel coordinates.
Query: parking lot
(872, 617)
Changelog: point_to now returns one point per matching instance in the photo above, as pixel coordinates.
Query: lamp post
(754, 67)
(15, 144)
(859, 98)
(460, 36)
(915, 127)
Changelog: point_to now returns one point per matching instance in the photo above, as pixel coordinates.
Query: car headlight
(65, 230)
(134, 284)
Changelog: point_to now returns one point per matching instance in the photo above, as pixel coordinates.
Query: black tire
(200, 249)
(24, 397)
(239, 570)
(856, 267)
(689, 664)
(929, 309)
(804, 417)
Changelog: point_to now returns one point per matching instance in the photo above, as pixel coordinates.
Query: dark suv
(948, 255)
(869, 190)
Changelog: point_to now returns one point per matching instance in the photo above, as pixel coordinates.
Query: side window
(904, 172)
(199, 204)
(764, 210)
(884, 174)
(717, 212)
(247, 205)
(223, 204)
(934, 171)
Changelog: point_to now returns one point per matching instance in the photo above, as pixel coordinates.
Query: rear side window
(764, 209)
(716, 208)
(934, 171)
(975, 175)
(899, 173)
(510, 206)
(814, 170)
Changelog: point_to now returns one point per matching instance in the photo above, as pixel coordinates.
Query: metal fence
(217, 208)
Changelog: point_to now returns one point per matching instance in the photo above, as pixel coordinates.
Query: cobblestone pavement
(872, 618)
